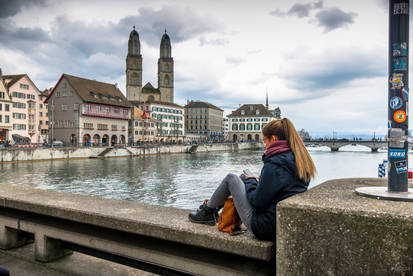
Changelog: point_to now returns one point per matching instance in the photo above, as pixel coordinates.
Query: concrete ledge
(330, 230)
(154, 221)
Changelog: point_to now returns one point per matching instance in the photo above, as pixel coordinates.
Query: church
(164, 120)
(134, 90)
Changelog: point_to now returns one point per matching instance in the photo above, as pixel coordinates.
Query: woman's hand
(247, 176)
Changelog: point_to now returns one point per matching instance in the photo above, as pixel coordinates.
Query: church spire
(134, 45)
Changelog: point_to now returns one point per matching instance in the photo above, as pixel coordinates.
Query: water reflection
(180, 180)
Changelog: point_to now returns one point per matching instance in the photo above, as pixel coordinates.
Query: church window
(134, 80)
(166, 80)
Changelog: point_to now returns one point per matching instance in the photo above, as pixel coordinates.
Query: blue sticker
(396, 103)
(389, 124)
(399, 49)
(400, 64)
(397, 153)
(401, 166)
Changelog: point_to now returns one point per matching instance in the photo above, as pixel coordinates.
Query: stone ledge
(330, 230)
(154, 221)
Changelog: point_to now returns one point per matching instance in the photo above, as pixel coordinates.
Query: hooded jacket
(278, 180)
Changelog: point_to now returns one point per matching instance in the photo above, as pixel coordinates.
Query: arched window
(134, 79)
(167, 80)
(242, 127)
(249, 127)
(234, 127)
(151, 98)
(257, 127)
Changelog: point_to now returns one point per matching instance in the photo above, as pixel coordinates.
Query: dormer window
(93, 94)
(251, 107)
(257, 112)
(242, 112)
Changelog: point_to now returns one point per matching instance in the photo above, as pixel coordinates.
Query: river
(178, 180)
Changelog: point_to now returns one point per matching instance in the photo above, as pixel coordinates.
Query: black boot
(204, 215)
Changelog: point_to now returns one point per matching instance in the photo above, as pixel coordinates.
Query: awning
(20, 137)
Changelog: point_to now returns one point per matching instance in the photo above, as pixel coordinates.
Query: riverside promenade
(328, 230)
(41, 154)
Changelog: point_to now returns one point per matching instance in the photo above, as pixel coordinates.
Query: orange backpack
(229, 220)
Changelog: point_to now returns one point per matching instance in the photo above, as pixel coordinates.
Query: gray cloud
(10, 8)
(81, 49)
(299, 10)
(334, 18)
(218, 41)
(234, 60)
(333, 69)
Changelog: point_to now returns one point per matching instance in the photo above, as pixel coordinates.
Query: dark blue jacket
(278, 180)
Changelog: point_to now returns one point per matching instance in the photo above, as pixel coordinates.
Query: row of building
(83, 111)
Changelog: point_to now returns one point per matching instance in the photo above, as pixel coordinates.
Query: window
(1, 118)
(166, 80)
(41, 122)
(88, 125)
(41, 106)
(134, 79)
(242, 112)
(257, 112)
(234, 127)
(7, 119)
(41, 114)
(114, 127)
(107, 110)
(125, 112)
(19, 105)
(102, 127)
(117, 111)
(19, 95)
(24, 86)
(1, 106)
(2, 95)
(19, 126)
(241, 127)
(87, 107)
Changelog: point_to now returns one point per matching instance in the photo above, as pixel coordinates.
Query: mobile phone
(248, 172)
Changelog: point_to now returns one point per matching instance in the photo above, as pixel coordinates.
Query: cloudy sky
(324, 63)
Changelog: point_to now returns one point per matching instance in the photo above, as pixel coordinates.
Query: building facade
(142, 127)
(246, 123)
(203, 121)
(169, 120)
(134, 90)
(44, 116)
(5, 112)
(225, 128)
(25, 108)
(87, 112)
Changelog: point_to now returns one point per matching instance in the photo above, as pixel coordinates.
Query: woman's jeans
(233, 185)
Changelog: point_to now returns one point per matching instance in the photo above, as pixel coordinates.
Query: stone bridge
(336, 145)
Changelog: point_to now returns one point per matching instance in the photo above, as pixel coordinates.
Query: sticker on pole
(399, 116)
(401, 166)
(397, 153)
(404, 93)
(400, 64)
(399, 49)
(401, 8)
(396, 81)
(396, 103)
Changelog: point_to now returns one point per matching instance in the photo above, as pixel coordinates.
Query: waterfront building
(225, 128)
(5, 111)
(88, 112)
(134, 89)
(25, 108)
(142, 127)
(169, 119)
(44, 116)
(203, 121)
(246, 123)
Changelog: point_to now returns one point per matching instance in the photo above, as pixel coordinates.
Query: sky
(324, 63)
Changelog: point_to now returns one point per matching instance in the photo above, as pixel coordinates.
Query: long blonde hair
(284, 129)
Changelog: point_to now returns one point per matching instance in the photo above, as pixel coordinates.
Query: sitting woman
(287, 171)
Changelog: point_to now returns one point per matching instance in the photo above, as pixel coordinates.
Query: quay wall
(38, 154)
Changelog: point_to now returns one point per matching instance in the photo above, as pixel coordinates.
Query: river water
(178, 180)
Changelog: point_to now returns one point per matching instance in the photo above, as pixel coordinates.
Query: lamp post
(398, 95)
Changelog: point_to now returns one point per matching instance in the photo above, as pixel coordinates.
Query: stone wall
(36, 154)
(330, 230)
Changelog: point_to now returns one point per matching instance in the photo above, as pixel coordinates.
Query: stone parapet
(330, 230)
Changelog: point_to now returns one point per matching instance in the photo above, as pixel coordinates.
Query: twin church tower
(134, 89)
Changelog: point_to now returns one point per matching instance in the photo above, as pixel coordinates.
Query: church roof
(136, 103)
(195, 104)
(250, 110)
(148, 88)
(94, 91)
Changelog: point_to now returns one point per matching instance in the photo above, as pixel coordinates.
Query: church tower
(134, 67)
(166, 70)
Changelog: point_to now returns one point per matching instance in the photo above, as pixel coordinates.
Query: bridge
(335, 145)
